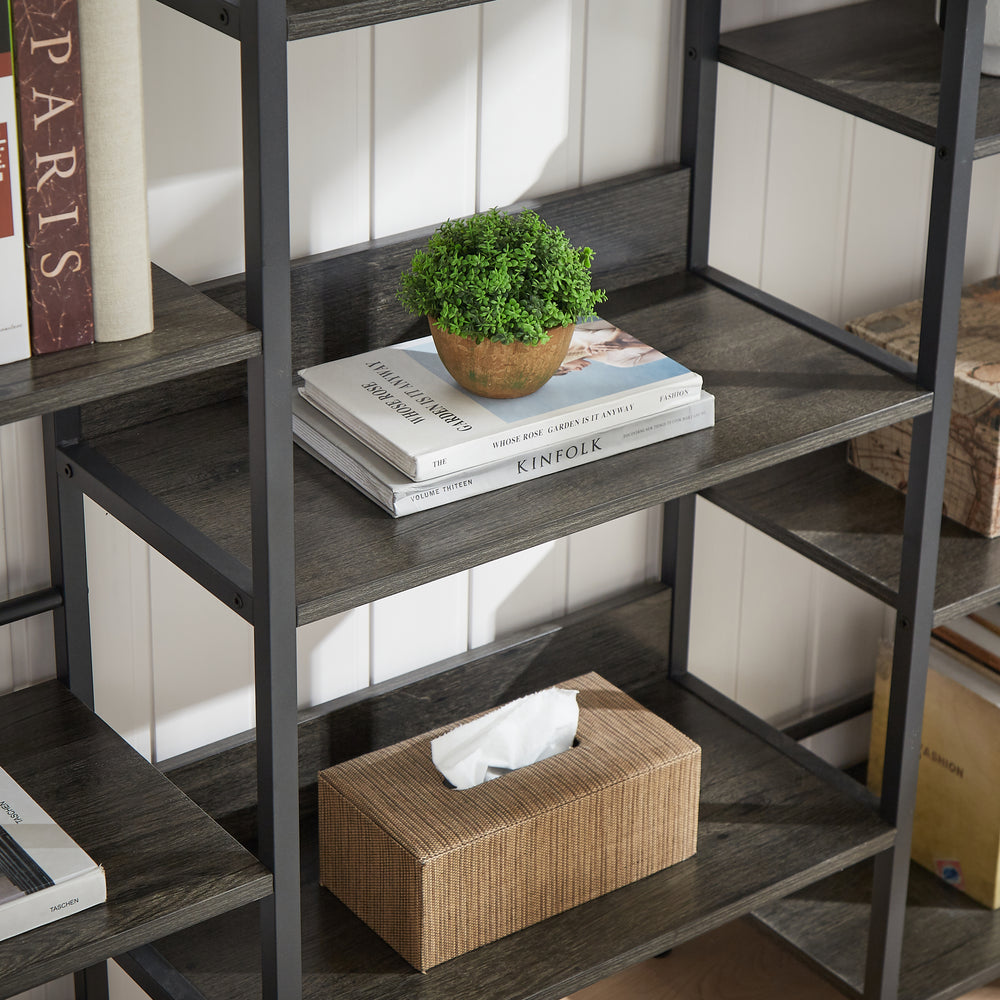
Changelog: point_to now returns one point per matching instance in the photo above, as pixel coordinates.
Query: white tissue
(523, 732)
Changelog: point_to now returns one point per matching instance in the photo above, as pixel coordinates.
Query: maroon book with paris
(50, 103)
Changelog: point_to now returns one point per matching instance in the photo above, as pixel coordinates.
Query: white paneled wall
(400, 126)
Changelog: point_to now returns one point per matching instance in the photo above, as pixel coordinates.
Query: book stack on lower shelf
(394, 424)
(956, 823)
(44, 873)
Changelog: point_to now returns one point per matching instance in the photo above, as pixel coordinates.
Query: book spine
(119, 219)
(579, 450)
(46, 905)
(53, 163)
(400, 500)
(552, 431)
(15, 342)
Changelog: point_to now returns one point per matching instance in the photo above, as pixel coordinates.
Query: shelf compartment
(879, 60)
(951, 944)
(191, 334)
(767, 825)
(852, 524)
(168, 865)
(780, 393)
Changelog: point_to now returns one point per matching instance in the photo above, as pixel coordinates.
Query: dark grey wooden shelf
(320, 17)
(879, 60)
(167, 864)
(951, 945)
(780, 393)
(767, 825)
(191, 334)
(853, 524)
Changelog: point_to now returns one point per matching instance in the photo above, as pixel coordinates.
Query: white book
(44, 873)
(336, 448)
(401, 403)
(15, 336)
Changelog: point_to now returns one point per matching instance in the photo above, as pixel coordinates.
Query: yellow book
(956, 825)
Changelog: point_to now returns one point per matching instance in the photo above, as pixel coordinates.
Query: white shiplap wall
(531, 96)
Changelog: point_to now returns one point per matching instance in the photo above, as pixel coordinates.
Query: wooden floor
(736, 962)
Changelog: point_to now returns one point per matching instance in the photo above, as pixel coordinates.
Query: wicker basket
(437, 872)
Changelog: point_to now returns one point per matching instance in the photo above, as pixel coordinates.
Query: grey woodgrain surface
(766, 826)
(192, 333)
(853, 525)
(951, 945)
(167, 864)
(319, 17)
(345, 301)
(779, 393)
(880, 60)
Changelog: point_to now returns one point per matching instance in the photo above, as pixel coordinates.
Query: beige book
(956, 825)
(116, 168)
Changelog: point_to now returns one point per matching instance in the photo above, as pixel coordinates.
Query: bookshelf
(185, 437)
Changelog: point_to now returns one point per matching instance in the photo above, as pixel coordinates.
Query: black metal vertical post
(71, 620)
(701, 73)
(264, 58)
(677, 570)
(701, 49)
(963, 43)
(91, 983)
(68, 559)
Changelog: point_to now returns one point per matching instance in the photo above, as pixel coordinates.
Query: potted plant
(501, 292)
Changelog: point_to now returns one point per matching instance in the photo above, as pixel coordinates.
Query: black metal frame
(265, 595)
(935, 369)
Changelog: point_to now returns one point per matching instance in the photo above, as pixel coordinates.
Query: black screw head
(238, 602)
(68, 471)
(223, 16)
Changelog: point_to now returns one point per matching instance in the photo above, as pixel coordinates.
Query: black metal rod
(68, 559)
(264, 59)
(811, 323)
(16, 609)
(829, 717)
(960, 72)
(150, 971)
(701, 69)
(677, 572)
(155, 523)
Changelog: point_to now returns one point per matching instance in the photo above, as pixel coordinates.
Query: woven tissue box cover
(972, 470)
(437, 872)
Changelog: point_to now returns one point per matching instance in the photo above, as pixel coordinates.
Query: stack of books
(394, 424)
(44, 874)
(74, 242)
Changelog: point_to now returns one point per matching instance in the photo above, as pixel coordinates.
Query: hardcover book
(956, 821)
(44, 874)
(53, 163)
(15, 342)
(401, 403)
(336, 448)
(111, 60)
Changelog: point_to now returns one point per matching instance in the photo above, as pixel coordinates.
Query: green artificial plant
(500, 276)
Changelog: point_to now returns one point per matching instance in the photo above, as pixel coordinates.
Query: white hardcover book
(336, 448)
(44, 873)
(401, 403)
(111, 63)
(15, 336)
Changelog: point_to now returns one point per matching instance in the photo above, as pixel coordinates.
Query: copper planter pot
(501, 371)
